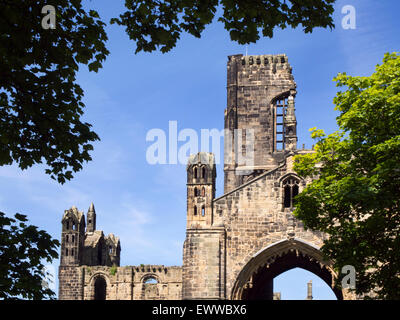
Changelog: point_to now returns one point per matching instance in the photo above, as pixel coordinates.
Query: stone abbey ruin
(235, 244)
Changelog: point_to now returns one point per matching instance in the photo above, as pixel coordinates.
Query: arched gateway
(255, 281)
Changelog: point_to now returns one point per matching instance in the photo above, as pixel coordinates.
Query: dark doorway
(100, 289)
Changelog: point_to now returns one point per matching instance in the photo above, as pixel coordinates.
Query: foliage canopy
(355, 197)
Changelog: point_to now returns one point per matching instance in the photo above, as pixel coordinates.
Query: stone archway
(100, 288)
(255, 281)
(150, 283)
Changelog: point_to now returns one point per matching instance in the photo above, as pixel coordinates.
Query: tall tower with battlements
(259, 118)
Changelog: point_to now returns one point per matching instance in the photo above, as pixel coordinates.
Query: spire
(91, 208)
(91, 219)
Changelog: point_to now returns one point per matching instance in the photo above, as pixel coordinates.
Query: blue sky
(145, 205)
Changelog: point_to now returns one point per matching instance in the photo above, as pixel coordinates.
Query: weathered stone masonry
(235, 244)
(90, 268)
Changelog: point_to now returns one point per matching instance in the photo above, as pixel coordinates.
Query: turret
(72, 237)
(201, 175)
(91, 219)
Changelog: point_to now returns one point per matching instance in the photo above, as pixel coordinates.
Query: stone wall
(122, 283)
(203, 265)
(71, 281)
(245, 221)
(254, 217)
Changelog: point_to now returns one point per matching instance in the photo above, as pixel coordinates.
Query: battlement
(265, 59)
(151, 268)
(202, 158)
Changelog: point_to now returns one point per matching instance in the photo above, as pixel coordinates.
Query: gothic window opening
(67, 239)
(66, 252)
(203, 211)
(203, 192)
(290, 191)
(203, 173)
(195, 211)
(279, 134)
(73, 239)
(100, 289)
(196, 192)
(195, 173)
(72, 252)
(151, 280)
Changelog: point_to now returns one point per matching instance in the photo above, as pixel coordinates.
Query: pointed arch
(258, 273)
(290, 189)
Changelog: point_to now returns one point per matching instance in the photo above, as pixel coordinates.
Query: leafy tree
(40, 119)
(22, 249)
(40, 101)
(355, 197)
(155, 23)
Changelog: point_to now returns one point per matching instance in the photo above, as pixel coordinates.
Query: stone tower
(201, 175)
(260, 107)
(72, 237)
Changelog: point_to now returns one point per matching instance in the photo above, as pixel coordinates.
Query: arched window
(195, 211)
(100, 289)
(72, 252)
(66, 252)
(73, 239)
(110, 249)
(150, 280)
(195, 173)
(279, 130)
(203, 173)
(203, 211)
(290, 191)
(67, 225)
(203, 192)
(196, 192)
(66, 238)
